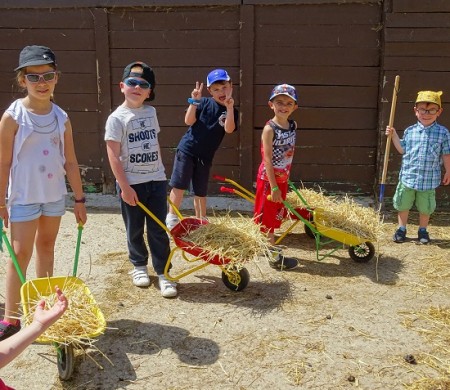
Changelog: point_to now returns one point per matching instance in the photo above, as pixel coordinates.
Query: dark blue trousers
(153, 195)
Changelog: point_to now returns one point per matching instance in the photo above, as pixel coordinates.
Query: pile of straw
(344, 214)
(313, 199)
(80, 320)
(234, 240)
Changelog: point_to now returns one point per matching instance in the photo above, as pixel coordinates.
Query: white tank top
(39, 175)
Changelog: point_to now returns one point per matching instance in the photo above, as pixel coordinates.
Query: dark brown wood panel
(414, 34)
(35, 18)
(180, 18)
(421, 6)
(189, 57)
(60, 39)
(319, 56)
(311, 14)
(331, 75)
(420, 64)
(420, 49)
(324, 36)
(355, 174)
(335, 137)
(175, 39)
(417, 20)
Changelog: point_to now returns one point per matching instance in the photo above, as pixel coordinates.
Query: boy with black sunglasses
(423, 146)
(135, 158)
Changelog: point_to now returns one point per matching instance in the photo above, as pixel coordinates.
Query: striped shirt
(422, 160)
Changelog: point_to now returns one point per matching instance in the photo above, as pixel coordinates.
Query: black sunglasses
(134, 83)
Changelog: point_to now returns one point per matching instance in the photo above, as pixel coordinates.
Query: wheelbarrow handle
(220, 178)
(77, 249)
(4, 238)
(227, 189)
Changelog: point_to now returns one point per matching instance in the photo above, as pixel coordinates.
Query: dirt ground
(330, 324)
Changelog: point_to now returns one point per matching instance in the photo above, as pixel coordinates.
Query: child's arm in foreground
(128, 193)
(43, 319)
(267, 140)
(395, 139)
(196, 94)
(73, 174)
(446, 179)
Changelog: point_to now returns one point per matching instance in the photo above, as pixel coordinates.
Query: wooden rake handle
(391, 123)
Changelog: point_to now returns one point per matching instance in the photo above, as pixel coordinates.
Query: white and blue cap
(284, 89)
(217, 75)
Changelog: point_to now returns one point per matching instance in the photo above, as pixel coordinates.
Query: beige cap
(429, 97)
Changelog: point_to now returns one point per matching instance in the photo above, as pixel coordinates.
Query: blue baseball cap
(284, 89)
(217, 75)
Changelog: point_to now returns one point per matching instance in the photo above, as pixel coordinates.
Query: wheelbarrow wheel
(236, 280)
(362, 253)
(309, 232)
(66, 361)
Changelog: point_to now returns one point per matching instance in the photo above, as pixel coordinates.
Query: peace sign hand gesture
(197, 92)
(229, 101)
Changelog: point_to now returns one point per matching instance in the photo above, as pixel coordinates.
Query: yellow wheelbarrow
(360, 249)
(41, 288)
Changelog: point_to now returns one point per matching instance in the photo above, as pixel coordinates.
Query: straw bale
(234, 240)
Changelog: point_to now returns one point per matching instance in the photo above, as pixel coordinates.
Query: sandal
(7, 330)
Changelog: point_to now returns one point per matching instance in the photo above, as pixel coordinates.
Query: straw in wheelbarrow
(81, 322)
(353, 218)
(235, 240)
(341, 213)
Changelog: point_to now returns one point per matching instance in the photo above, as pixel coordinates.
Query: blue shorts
(30, 212)
(186, 169)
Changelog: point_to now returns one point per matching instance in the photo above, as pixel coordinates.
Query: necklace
(42, 126)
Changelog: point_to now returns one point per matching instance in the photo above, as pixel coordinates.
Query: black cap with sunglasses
(146, 74)
(35, 55)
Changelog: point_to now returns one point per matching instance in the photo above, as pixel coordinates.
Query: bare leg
(22, 241)
(271, 238)
(403, 217)
(45, 245)
(200, 206)
(424, 219)
(176, 197)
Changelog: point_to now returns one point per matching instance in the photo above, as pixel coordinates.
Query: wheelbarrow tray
(33, 289)
(335, 233)
(183, 228)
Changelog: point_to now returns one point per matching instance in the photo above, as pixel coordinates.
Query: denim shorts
(187, 169)
(405, 198)
(30, 212)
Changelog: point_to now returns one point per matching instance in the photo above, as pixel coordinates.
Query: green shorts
(404, 199)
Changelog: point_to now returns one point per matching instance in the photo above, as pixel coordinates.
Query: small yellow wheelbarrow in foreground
(74, 329)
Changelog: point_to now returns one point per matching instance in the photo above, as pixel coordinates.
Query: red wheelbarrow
(233, 278)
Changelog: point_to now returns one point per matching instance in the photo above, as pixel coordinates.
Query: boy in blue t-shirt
(208, 120)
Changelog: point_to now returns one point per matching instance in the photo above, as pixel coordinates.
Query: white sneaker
(167, 287)
(140, 276)
(171, 221)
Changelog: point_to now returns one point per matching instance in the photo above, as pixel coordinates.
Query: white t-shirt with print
(137, 132)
